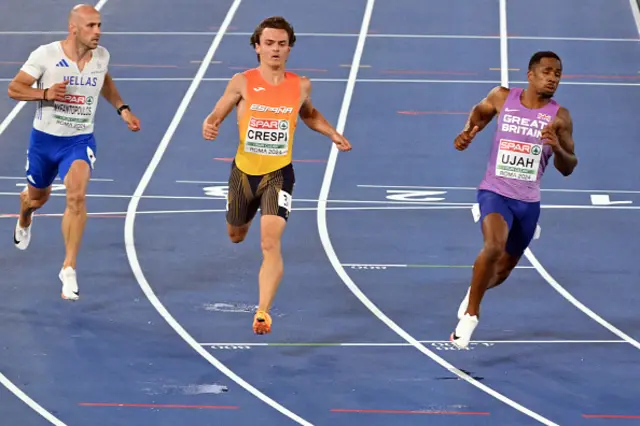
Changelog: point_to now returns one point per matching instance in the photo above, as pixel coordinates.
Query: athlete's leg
(496, 220)
(503, 269)
(524, 225)
(275, 209)
(76, 165)
(242, 204)
(32, 199)
(75, 215)
(41, 171)
(272, 268)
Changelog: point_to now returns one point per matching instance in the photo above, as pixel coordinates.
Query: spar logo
(520, 147)
(264, 124)
(76, 100)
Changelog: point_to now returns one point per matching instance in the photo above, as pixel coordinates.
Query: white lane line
(130, 222)
(333, 258)
(534, 261)
(3, 379)
(403, 344)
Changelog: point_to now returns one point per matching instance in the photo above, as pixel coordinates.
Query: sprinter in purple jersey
(531, 128)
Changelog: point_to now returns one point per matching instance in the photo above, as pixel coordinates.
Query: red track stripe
(608, 416)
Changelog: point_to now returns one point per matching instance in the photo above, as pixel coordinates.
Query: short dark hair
(538, 56)
(275, 22)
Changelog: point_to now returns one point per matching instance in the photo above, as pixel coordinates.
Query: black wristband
(122, 108)
(44, 95)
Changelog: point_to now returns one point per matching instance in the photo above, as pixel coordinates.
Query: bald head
(84, 25)
(82, 12)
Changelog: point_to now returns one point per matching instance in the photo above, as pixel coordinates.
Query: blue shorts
(521, 217)
(49, 156)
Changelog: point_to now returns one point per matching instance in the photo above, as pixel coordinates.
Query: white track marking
(58, 179)
(384, 205)
(306, 209)
(504, 49)
(221, 182)
(333, 258)
(364, 344)
(400, 265)
(332, 35)
(553, 283)
(471, 188)
(528, 253)
(3, 379)
(130, 222)
(30, 402)
(635, 10)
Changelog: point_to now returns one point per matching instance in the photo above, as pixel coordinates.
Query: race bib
(518, 160)
(266, 136)
(75, 111)
(284, 200)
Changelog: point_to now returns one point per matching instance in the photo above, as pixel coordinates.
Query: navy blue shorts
(49, 156)
(521, 217)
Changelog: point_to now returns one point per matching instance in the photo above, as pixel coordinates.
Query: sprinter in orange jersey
(268, 100)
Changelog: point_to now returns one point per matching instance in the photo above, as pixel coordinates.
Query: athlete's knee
(493, 249)
(76, 200)
(237, 237)
(272, 229)
(35, 197)
(270, 244)
(237, 234)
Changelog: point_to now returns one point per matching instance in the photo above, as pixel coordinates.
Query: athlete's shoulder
(305, 82)
(563, 118)
(102, 53)
(497, 97)
(46, 50)
(500, 92)
(237, 84)
(239, 78)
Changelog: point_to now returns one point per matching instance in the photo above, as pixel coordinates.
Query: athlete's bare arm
(316, 121)
(559, 135)
(310, 115)
(110, 93)
(232, 96)
(481, 115)
(20, 89)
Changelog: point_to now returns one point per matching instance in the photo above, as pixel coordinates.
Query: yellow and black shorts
(270, 192)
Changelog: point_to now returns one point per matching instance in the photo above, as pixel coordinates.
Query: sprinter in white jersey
(71, 75)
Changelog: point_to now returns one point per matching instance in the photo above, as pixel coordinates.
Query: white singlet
(75, 116)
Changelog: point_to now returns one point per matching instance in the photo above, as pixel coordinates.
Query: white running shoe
(22, 236)
(462, 334)
(464, 304)
(69, 284)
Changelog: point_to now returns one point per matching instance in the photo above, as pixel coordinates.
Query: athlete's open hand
(465, 137)
(341, 142)
(57, 91)
(549, 136)
(210, 130)
(133, 123)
